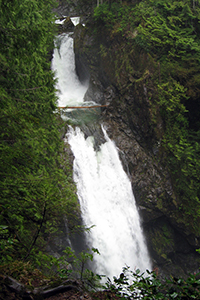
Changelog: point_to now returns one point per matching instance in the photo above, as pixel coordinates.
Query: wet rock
(66, 26)
(127, 119)
(94, 92)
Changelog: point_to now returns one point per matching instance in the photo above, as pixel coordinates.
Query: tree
(35, 190)
(170, 32)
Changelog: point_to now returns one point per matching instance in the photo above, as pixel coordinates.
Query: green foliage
(117, 19)
(24, 272)
(134, 285)
(70, 265)
(35, 190)
(169, 32)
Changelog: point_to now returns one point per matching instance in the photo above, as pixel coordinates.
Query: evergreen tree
(34, 188)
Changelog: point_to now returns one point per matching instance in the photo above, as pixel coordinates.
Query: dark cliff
(122, 81)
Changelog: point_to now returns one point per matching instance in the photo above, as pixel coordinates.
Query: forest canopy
(36, 185)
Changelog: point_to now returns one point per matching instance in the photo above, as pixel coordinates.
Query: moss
(162, 240)
(159, 204)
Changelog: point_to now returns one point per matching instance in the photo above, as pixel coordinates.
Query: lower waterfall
(107, 202)
(104, 190)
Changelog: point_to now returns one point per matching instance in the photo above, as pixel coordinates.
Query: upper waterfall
(70, 90)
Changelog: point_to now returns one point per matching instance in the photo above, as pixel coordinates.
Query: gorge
(104, 190)
(172, 244)
(119, 129)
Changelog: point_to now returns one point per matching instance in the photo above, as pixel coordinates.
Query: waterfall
(107, 201)
(70, 90)
(104, 189)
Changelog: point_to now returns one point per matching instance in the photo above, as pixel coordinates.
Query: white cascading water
(70, 90)
(104, 190)
(107, 201)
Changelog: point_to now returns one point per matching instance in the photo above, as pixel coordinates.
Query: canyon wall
(128, 119)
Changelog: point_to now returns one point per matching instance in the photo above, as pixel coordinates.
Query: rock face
(171, 244)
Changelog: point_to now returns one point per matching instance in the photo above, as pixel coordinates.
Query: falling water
(70, 90)
(107, 201)
(104, 190)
